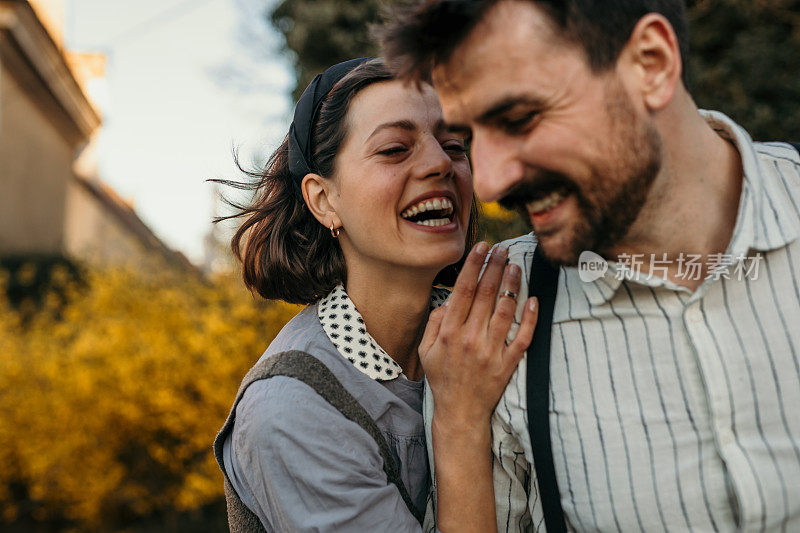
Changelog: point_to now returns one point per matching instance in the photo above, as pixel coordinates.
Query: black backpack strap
(311, 371)
(544, 285)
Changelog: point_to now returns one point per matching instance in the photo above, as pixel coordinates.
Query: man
(674, 367)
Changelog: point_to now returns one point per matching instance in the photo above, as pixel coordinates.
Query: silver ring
(510, 294)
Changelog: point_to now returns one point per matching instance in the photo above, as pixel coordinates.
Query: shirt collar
(345, 327)
(763, 221)
(602, 289)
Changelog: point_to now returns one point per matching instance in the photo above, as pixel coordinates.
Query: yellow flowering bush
(111, 391)
(498, 224)
(109, 403)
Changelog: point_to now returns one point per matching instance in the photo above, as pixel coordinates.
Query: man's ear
(652, 58)
(317, 193)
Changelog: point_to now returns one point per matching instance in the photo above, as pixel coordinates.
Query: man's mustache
(534, 187)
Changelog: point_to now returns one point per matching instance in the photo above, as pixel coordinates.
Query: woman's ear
(317, 193)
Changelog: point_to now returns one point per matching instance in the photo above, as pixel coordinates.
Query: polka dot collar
(344, 326)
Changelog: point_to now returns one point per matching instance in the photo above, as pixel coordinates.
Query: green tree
(745, 54)
(745, 60)
(320, 33)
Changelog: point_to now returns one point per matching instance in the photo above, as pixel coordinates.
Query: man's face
(566, 146)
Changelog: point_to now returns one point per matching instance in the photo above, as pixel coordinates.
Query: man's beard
(607, 205)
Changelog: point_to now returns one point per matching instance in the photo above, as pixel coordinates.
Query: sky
(187, 81)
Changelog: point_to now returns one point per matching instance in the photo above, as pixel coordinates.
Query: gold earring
(334, 231)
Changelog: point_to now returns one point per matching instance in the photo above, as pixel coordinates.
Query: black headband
(305, 112)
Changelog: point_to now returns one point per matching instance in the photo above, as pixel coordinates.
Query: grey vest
(314, 373)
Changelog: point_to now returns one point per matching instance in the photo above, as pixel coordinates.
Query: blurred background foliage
(112, 392)
(744, 61)
(745, 54)
(113, 384)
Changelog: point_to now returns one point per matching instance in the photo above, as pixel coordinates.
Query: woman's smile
(432, 212)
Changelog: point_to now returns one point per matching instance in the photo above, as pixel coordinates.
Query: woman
(366, 204)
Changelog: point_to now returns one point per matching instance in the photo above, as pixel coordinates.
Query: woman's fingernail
(501, 251)
(481, 248)
(532, 303)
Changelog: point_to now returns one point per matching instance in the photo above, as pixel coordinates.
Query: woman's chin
(439, 261)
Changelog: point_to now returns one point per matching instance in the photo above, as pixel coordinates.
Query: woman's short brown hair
(285, 252)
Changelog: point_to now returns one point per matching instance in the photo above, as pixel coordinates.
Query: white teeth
(434, 222)
(546, 203)
(429, 205)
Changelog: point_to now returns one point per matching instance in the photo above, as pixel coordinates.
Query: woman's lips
(437, 205)
(443, 228)
(436, 212)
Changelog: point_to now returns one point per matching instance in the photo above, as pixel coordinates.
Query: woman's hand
(463, 351)
(467, 365)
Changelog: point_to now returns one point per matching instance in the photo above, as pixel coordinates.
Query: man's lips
(533, 191)
(547, 202)
(546, 212)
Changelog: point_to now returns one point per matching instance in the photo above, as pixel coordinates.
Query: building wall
(51, 14)
(35, 169)
(94, 234)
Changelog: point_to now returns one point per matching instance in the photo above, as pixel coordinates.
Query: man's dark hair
(421, 35)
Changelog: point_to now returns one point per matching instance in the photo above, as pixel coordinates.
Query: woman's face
(402, 187)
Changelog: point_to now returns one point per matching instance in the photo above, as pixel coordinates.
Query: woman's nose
(435, 161)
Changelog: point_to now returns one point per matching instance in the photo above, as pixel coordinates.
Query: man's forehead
(511, 43)
(449, 96)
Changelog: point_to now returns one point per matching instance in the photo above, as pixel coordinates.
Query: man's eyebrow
(402, 124)
(506, 104)
(458, 129)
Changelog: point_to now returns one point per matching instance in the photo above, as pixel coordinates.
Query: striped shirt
(671, 409)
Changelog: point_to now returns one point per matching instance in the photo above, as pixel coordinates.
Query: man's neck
(693, 204)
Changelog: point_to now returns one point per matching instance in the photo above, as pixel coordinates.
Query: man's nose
(496, 165)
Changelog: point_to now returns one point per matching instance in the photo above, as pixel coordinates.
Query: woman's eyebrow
(403, 124)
